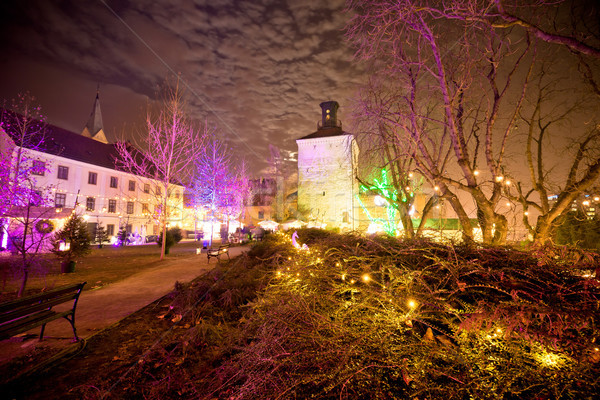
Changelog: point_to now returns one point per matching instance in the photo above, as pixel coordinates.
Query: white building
(327, 162)
(79, 171)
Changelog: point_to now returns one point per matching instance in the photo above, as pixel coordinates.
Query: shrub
(174, 236)
(75, 233)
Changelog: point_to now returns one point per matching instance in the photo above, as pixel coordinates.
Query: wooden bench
(223, 249)
(26, 313)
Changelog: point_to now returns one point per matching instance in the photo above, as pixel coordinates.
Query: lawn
(102, 267)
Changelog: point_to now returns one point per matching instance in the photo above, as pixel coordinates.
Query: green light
(390, 194)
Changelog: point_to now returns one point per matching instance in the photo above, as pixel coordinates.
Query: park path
(98, 309)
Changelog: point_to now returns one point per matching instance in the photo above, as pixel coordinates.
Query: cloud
(256, 69)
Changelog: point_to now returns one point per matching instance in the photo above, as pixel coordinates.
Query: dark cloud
(257, 69)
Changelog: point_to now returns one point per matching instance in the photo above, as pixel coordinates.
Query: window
(158, 191)
(146, 188)
(114, 182)
(35, 197)
(145, 209)
(131, 186)
(112, 206)
(63, 172)
(261, 215)
(110, 229)
(130, 207)
(60, 200)
(177, 194)
(92, 178)
(39, 168)
(90, 204)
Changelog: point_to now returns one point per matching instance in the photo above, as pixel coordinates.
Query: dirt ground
(91, 368)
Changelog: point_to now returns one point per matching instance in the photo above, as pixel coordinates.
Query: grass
(102, 267)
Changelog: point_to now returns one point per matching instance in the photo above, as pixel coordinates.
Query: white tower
(327, 162)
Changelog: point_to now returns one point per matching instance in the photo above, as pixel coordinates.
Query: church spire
(94, 127)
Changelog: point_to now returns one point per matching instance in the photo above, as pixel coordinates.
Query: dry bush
(379, 318)
(365, 318)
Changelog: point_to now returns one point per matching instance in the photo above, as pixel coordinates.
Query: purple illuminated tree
(166, 153)
(219, 187)
(24, 207)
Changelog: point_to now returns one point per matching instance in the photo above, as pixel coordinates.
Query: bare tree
(386, 168)
(25, 212)
(574, 170)
(453, 95)
(166, 154)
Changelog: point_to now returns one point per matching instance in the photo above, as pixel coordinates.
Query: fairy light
(411, 303)
(476, 173)
(366, 278)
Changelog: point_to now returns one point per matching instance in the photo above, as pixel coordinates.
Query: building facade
(327, 164)
(78, 172)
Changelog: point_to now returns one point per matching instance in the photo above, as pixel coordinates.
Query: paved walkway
(98, 309)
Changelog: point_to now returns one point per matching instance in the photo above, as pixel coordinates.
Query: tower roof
(329, 124)
(94, 127)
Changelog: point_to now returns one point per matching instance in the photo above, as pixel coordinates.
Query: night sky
(257, 69)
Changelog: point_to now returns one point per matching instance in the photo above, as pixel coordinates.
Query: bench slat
(222, 249)
(23, 314)
(32, 321)
(32, 308)
(41, 296)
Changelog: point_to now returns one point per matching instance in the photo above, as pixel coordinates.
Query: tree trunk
(23, 281)
(463, 218)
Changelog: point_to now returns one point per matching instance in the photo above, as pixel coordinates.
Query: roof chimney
(329, 114)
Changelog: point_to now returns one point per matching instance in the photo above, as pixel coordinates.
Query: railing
(337, 125)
